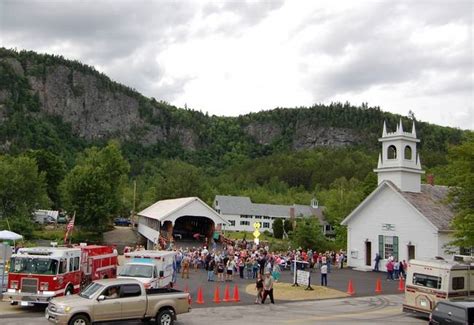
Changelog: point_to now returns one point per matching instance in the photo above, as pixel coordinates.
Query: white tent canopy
(9, 235)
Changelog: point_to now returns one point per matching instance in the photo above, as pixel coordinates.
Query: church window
(392, 152)
(388, 246)
(408, 152)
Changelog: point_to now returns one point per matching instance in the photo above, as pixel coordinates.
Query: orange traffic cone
(227, 294)
(350, 289)
(199, 300)
(217, 299)
(378, 286)
(401, 285)
(236, 294)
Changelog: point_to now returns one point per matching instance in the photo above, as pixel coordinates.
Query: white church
(401, 217)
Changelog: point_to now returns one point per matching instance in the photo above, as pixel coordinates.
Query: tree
(92, 189)
(54, 169)
(288, 225)
(278, 228)
(342, 197)
(462, 168)
(22, 190)
(308, 235)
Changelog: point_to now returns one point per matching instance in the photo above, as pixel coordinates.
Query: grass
(57, 235)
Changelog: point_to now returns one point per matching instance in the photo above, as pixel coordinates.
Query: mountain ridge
(92, 109)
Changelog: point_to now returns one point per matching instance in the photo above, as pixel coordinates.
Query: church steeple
(399, 161)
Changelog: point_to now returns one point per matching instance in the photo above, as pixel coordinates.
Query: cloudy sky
(234, 57)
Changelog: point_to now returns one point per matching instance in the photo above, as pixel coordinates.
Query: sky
(235, 57)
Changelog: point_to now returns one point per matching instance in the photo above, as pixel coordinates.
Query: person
(230, 269)
(179, 258)
(401, 270)
(259, 288)
(324, 275)
(276, 271)
(220, 271)
(377, 262)
(185, 267)
(210, 270)
(241, 264)
(112, 293)
(341, 259)
(396, 269)
(389, 267)
(268, 288)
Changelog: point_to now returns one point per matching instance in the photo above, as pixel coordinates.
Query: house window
(258, 217)
(232, 223)
(266, 218)
(388, 246)
(266, 225)
(245, 223)
(244, 216)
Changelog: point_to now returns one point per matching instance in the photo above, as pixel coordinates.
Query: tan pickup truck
(118, 299)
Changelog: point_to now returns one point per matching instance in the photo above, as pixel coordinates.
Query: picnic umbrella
(9, 235)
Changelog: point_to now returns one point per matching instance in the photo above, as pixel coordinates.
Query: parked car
(453, 313)
(62, 220)
(120, 221)
(5, 277)
(118, 299)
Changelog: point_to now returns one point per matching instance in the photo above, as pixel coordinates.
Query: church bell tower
(399, 161)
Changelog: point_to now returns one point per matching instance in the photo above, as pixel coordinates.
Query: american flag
(69, 227)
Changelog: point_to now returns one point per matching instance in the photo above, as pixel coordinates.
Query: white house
(401, 217)
(241, 213)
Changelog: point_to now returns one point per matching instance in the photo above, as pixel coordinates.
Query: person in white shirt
(324, 275)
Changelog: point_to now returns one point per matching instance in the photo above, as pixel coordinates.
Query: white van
(155, 269)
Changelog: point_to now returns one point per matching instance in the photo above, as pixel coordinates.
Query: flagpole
(73, 222)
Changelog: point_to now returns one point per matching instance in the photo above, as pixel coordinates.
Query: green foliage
(461, 167)
(339, 200)
(54, 169)
(22, 190)
(93, 188)
(288, 225)
(308, 235)
(278, 228)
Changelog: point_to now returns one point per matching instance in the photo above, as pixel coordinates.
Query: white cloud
(233, 57)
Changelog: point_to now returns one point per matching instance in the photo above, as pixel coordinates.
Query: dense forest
(266, 155)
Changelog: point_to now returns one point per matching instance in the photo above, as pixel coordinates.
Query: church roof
(433, 203)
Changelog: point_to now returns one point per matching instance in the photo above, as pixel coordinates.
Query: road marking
(384, 311)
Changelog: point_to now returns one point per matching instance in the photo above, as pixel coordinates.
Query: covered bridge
(181, 218)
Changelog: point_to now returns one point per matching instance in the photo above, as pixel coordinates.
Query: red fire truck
(40, 273)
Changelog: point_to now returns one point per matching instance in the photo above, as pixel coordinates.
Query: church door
(411, 252)
(368, 253)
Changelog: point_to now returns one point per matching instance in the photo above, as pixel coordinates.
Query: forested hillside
(53, 112)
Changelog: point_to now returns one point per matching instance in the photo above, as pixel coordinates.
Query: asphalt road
(384, 309)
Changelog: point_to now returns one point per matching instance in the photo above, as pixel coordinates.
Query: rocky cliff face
(96, 111)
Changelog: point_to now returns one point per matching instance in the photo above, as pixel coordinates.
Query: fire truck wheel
(165, 317)
(69, 291)
(79, 320)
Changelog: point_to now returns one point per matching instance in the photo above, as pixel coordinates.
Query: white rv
(155, 269)
(430, 281)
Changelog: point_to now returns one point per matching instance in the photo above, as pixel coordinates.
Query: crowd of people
(247, 261)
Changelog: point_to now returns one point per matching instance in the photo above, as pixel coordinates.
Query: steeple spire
(399, 161)
(413, 130)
